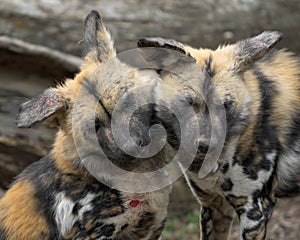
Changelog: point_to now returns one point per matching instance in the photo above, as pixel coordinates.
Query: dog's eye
(228, 102)
(97, 124)
(192, 101)
(104, 108)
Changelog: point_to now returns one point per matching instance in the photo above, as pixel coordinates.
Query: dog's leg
(158, 232)
(216, 219)
(254, 216)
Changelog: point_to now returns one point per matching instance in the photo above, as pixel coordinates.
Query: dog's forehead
(114, 74)
(117, 84)
(189, 81)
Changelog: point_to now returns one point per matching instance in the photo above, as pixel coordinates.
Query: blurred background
(40, 45)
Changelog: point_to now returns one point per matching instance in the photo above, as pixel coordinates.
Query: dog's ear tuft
(98, 43)
(250, 50)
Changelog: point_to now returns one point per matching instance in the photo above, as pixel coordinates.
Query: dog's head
(105, 112)
(216, 90)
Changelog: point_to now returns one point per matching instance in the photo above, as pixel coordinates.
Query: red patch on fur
(48, 102)
(135, 203)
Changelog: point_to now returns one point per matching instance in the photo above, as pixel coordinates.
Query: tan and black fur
(56, 197)
(259, 89)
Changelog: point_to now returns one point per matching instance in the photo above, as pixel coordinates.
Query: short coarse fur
(259, 88)
(56, 197)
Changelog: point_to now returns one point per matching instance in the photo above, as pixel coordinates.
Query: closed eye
(97, 124)
(104, 108)
(228, 102)
(192, 102)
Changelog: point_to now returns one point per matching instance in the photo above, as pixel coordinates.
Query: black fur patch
(45, 189)
(266, 136)
(157, 233)
(103, 231)
(107, 204)
(2, 233)
(90, 86)
(208, 68)
(252, 233)
(143, 226)
(294, 130)
(162, 43)
(267, 142)
(106, 230)
(224, 168)
(264, 196)
(240, 211)
(206, 217)
(227, 185)
(208, 88)
(254, 214)
(126, 225)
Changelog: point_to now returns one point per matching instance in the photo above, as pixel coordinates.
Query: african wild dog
(56, 197)
(259, 90)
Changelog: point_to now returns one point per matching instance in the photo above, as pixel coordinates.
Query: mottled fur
(259, 89)
(56, 197)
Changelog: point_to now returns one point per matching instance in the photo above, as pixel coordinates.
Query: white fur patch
(86, 204)
(243, 185)
(271, 156)
(63, 213)
(247, 223)
(103, 238)
(288, 167)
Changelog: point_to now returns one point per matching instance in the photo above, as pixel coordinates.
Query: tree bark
(200, 23)
(25, 71)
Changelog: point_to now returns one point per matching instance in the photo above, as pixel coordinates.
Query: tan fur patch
(112, 211)
(257, 233)
(21, 219)
(237, 202)
(284, 72)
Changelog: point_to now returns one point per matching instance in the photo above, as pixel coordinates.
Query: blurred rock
(58, 24)
(25, 71)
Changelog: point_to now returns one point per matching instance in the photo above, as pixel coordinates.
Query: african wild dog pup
(56, 197)
(259, 89)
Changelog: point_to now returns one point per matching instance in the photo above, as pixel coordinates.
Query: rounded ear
(163, 43)
(250, 50)
(98, 43)
(167, 54)
(48, 106)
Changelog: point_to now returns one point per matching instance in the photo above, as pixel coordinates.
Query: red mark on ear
(135, 203)
(48, 102)
(261, 44)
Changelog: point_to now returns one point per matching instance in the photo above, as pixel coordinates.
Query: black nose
(202, 145)
(140, 142)
(132, 145)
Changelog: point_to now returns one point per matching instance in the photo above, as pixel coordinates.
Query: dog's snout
(202, 145)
